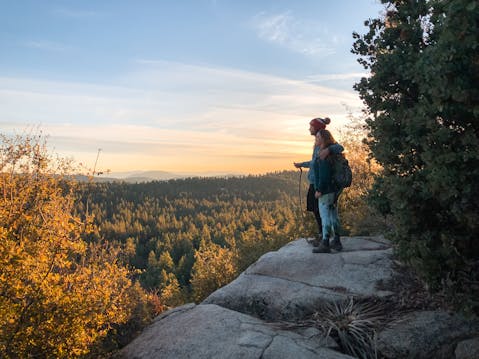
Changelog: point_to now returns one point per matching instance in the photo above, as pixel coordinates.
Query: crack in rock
(267, 346)
(175, 311)
(336, 289)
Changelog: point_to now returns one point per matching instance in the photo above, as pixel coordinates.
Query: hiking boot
(315, 242)
(322, 248)
(336, 244)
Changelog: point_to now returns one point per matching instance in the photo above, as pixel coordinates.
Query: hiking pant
(312, 206)
(328, 210)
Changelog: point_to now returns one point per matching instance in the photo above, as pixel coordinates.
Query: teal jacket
(335, 148)
(323, 181)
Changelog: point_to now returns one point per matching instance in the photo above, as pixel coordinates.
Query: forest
(164, 228)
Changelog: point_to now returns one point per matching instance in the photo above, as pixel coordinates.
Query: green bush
(423, 101)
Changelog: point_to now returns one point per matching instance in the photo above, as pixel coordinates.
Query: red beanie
(320, 123)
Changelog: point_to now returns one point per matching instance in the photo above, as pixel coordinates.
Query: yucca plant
(352, 323)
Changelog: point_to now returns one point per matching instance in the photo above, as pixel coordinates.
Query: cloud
(332, 77)
(48, 46)
(167, 115)
(224, 89)
(128, 147)
(302, 36)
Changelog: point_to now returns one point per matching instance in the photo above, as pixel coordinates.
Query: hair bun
(327, 120)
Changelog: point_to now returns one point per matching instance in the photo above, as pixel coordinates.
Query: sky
(184, 86)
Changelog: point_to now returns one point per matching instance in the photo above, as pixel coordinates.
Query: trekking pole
(300, 197)
(299, 191)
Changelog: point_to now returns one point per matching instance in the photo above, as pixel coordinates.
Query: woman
(327, 196)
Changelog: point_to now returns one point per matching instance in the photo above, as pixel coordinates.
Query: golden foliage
(171, 294)
(214, 267)
(357, 217)
(58, 293)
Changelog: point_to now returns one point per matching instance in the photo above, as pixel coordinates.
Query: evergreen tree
(423, 101)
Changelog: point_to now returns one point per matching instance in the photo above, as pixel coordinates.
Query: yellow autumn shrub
(59, 295)
(357, 217)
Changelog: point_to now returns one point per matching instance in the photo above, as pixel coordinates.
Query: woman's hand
(317, 194)
(324, 153)
(297, 164)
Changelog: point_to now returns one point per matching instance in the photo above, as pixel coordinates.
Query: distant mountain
(141, 176)
(148, 176)
(212, 174)
(83, 178)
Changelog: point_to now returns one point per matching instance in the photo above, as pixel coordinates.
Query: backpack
(342, 176)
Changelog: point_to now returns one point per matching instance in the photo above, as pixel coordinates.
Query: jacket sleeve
(305, 164)
(336, 149)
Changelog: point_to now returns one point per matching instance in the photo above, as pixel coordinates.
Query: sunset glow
(148, 105)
